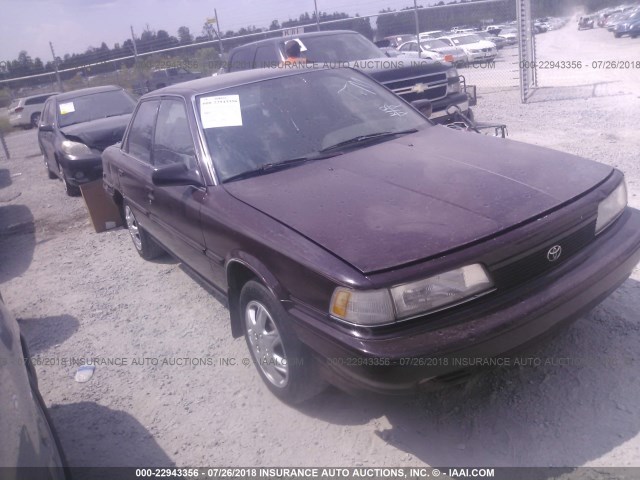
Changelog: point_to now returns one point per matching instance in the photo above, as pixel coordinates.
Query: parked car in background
(499, 42)
(164, 77)
(395, 41)
(431, 46)
(585, 23)
(29, 440)
(358, 243)
(25, 112)
(627, 26)
(76, 127)
(432, 34)
(477, 49)
(510, 35)
(412, 79)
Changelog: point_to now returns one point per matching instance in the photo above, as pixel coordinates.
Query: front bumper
(496, 326)
(79, 171)
(440, 114)
(19, 121)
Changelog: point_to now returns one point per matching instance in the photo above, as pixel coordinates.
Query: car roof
(210, 84)
(299, 36)
(86, 91)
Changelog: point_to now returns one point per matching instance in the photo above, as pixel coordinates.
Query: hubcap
(266, 344)
(132, 225)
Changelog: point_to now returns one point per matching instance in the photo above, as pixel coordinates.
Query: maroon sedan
(358, 243)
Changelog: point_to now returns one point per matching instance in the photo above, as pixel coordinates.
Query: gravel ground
(81, 294)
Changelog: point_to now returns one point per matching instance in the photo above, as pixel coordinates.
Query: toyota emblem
(554, 253)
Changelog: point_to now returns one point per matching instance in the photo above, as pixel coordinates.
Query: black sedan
(357, 242)
(76, 127)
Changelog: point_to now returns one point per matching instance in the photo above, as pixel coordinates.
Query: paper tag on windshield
(66, 108)
(220, 111)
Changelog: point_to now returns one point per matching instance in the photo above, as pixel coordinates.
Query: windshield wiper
(364, 138)
(271, 167)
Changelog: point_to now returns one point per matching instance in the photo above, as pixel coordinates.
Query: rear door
(134, 166)
(47, 139)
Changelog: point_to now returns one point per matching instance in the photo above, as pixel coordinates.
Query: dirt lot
(81, 294)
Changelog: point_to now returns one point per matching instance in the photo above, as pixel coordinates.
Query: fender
(234, 285)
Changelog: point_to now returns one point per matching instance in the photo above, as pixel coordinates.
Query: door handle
(150, 195)
(120, 172)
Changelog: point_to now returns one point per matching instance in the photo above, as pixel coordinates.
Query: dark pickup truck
(412, 79)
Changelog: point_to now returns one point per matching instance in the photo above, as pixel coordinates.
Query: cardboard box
(104, 214)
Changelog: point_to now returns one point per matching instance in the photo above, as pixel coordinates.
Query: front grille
(431, 94)
(431, 87)
(536, 263)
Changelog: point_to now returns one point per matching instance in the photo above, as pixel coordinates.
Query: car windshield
(86, 108)
(299, 117)
(466, 39)
(433, 44)
(347, 47)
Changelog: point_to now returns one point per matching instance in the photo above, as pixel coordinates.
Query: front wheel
(70, 190)
(146, 246)
(283, 362)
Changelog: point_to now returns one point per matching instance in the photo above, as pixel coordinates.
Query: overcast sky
(74, 25)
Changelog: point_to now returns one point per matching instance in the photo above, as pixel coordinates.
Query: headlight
(439, 290)
(611, 207)
(386, 306)
(74, 148)
(452, 73)
(363, 308)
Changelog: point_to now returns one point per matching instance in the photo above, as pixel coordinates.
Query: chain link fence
(130, 64)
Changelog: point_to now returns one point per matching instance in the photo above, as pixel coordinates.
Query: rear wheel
(283, 362)
(146, 246)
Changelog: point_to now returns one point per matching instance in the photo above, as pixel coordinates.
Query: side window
(33, 101)
(139, 139)
(172, 141)
(49, 115)
(406, 47)
(45, 113)
(242, 60)
(266, 57)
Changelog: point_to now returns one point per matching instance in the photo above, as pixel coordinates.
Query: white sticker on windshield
(220, 111)
(66, 108)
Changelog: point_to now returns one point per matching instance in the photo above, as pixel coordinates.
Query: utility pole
(55, 66)
(315, 3)
(135, 49)
(415, 11)
(215, 12)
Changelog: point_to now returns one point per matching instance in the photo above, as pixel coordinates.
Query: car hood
(418, 196)
(386, 69)
(449, 50)
(100, 133)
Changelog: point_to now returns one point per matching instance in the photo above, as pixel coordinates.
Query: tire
(283, 362)
(35, 118)
(146, 246)
(617, 35)
(50, 174)
(70, 190)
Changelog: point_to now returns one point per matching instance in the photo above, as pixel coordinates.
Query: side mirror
(45, 128)
(423, 106)
(174, 175)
